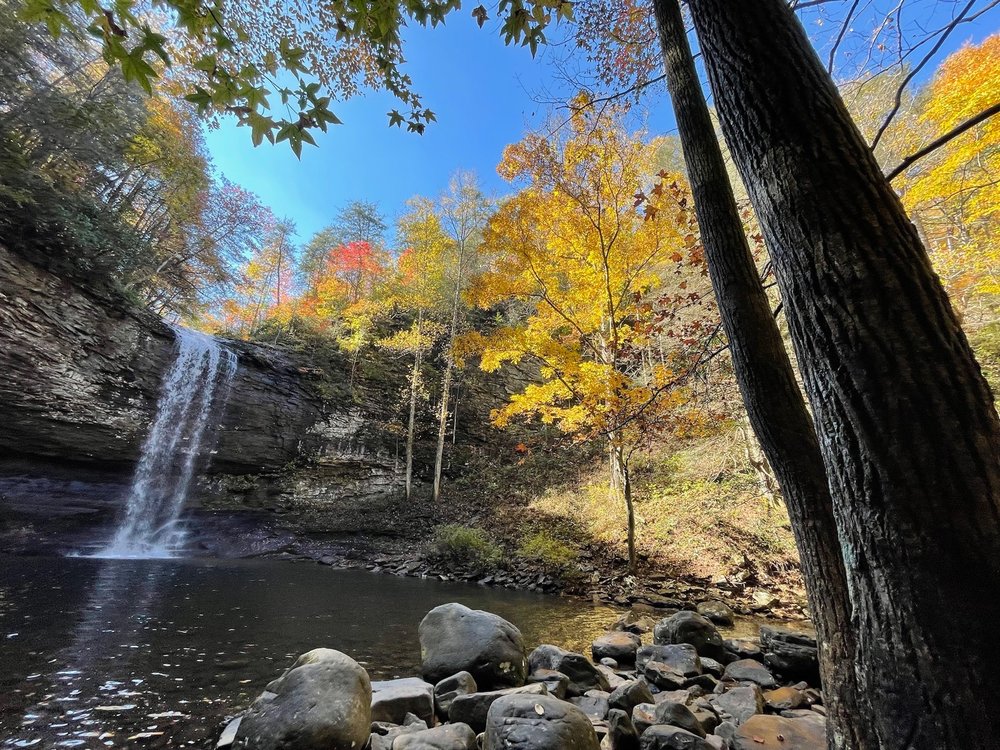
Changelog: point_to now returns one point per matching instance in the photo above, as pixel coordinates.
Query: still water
(158, 653)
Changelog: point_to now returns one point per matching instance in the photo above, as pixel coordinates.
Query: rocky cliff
(80, 374)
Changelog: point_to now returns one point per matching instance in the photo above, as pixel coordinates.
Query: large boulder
(454, 638)
(664, 737)
(322, 703)
(790, 653)
(446, 737)
(392, 700)
(776, 733)
(692, 628)
(527, 722)
(583, 675)
(619, 645)
(472, 709)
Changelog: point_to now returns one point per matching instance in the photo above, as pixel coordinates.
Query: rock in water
(322, 703)
(583, 675)
(454, 638)
(528, 722)
(692, 628)
(618, 645)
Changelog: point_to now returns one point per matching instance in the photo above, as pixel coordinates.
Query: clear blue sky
(482, 93)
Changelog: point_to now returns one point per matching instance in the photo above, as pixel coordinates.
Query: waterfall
(198, 379)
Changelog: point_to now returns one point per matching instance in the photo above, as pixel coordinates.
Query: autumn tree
(596, 279)
(907, 427)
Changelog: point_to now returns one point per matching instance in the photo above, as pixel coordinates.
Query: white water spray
(198, 379)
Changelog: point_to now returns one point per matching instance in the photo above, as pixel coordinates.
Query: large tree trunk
(907, 427)
(766, 379)
(621, 486)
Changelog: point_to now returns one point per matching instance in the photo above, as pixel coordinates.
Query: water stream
(194, 388)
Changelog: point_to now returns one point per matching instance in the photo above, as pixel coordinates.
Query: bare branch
(942, 140)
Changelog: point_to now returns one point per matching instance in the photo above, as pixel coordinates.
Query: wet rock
(691, 628)
(622, 734)
(392, 700)
(791, 654)
(636, 621)
(777, 733)
(619, 646)
(594, 704)
(678, 715)
(525, 722)
(739, 703)
(663, 676)
(748, 670)
(454, 638)
(473, 709)
(631, 694)
(716, 612)
(461, 683)
(555, 682)
(583, 675)
(663, 737)
(446, 737)
(783, 699)
(681, 657)
(322, 703)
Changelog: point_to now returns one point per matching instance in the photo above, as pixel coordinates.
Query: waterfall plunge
(198, 379)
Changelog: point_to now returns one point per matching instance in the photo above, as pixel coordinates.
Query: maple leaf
(480, 15)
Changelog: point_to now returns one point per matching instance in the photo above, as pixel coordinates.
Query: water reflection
(118, 608)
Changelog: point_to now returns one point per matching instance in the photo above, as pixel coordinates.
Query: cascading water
(197, 381)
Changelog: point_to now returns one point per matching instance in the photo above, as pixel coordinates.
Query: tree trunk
(621, 482)
(411, 428)
(907, 427)
(774, 403)
(449, 363)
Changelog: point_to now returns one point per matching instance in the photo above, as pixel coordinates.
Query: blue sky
(483, 95)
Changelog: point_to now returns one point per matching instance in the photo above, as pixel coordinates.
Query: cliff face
(80, 375)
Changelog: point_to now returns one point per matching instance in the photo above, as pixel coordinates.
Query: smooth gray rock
(454, 638)
(678, 715)
(681, 657)
(392, 700)
(583, 675)
(664, 737)
(525, 722)
(748, 670)
(617, 645)
(473, 709)
(716, 611)
(692, 628)
(445, 691)
(594, 704)
(663, 676)
(555, 682)
(739, 703)
(445, 737)
(631, 694)
(643, 717)
(322, 703)
(777, 733)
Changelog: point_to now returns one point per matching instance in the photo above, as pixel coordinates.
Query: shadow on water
(157, 653)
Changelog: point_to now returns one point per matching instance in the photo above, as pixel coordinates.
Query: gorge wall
(80, 374)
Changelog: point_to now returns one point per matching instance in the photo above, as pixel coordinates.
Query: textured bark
(906, 422)
(774, 404)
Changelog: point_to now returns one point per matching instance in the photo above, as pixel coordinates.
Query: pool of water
(158, 653)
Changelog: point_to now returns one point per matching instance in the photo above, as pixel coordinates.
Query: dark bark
(766, 379)
(906, 422)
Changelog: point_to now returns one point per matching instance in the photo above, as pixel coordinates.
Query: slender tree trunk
(449, 363)
(411, 427)
(774, 403)
(621, 489)
(907, 427)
